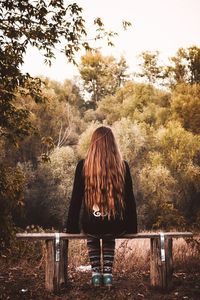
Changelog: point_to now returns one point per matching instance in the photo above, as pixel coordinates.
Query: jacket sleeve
(72, 224)
(130, 210)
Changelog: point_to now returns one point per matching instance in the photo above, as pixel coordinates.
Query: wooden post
(56, 265)
(161, 263)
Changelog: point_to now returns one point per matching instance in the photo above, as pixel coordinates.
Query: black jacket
(98, 225)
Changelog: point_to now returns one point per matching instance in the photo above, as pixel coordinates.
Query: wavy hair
(104, 172)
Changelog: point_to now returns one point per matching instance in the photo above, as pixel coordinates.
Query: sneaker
(96, 279)
(107, 280)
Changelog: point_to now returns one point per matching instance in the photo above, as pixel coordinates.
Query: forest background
(46, 126)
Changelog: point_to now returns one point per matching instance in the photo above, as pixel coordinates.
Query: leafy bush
(49, 189)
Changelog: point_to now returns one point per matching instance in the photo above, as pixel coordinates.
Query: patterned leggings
(107, 253)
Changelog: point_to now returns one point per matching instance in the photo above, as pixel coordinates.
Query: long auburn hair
(104, 172)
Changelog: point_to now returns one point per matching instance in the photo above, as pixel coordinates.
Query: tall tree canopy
(186, 65)
(183, 67)
(150, 68)
(102, 75)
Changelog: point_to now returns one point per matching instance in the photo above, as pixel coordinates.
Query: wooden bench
(56, 256)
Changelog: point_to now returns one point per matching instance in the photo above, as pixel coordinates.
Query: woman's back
(103, 185)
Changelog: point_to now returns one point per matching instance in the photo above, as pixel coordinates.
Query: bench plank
(46, 236)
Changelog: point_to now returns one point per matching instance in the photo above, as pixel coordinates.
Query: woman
(103, 185)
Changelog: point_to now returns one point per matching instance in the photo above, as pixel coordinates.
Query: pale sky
(163, 25)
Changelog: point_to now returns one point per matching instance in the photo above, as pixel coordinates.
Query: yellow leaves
(156, 183)
(155, 158)
(85, 138)
(191, 174)
(185, 105)
(12, 182)
(177, 145)
(47, 145)
(101, 75)
(47, 141)
(132, 138)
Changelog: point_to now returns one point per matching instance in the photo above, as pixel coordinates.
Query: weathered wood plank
(169, 261)
(161, 263)
(63, 266)
(56, 266)
(49, 236)
(49, 265)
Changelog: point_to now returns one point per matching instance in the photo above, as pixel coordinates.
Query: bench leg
(161, 263)
(56, 266)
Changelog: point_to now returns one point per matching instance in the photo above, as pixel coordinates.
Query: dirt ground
(25, 280)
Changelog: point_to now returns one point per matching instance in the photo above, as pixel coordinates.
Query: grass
(133, 255)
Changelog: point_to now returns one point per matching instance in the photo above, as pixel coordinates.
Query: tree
(176, 72)
(43, 24)
(23, 23)
(12, 182)
(180, 153)
(56, 121)
(132, 138)
(67, 92)
(159, 191)
(85, 138)
(185, 106)
(150, 69)
(185, 67)
(101, 75)
(137, 101)
(48, 189)
(193, 58)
